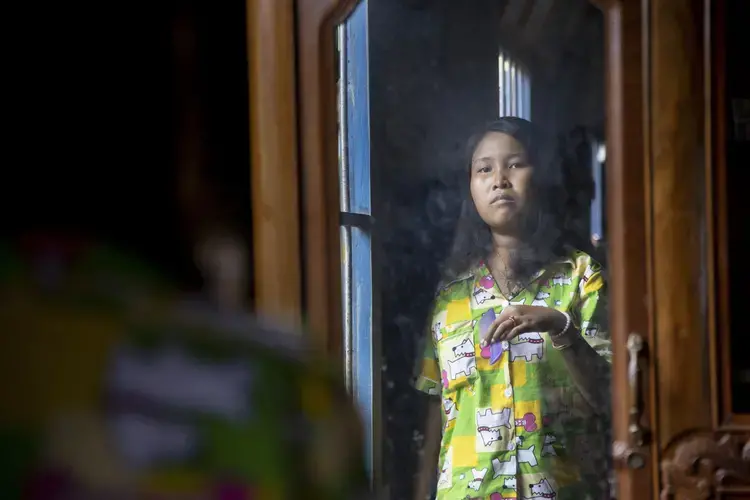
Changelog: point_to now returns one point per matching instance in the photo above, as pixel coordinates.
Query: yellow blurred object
(54, 357)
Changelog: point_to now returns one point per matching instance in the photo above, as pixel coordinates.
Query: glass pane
(355, 182)
(362, 339)
(354, 113)
(481, 125)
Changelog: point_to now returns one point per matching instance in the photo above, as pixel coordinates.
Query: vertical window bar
(506, 90)
(501, 72)
(343, 122)
(527, 95)
(346, 297)
(521, 94)
(501, 93)
(346, 238)
(599, 156)
(513, 90)
(519, 83)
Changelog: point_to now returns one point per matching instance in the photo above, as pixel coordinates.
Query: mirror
(472, 182)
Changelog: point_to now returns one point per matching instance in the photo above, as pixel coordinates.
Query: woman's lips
(502, 201)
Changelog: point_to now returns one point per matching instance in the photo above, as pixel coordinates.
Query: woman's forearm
(589, 371)
(430, 451)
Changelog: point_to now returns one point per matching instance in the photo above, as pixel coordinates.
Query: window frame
(361, 338)
(514, 87)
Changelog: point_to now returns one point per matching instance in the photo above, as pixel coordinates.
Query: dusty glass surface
(472, 167)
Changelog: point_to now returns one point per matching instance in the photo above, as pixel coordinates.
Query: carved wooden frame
(707, 465)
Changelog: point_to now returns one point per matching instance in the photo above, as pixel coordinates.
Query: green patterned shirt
(514, 423)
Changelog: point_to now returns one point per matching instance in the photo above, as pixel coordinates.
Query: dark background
(738, 160)
(95, 122)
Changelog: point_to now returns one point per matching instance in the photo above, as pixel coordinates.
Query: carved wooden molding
(704, 465)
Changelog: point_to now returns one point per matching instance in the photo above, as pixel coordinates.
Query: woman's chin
(503, 225)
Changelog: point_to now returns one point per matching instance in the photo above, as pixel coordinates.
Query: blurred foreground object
(116, 386)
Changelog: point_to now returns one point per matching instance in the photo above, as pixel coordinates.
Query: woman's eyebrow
(484, 158)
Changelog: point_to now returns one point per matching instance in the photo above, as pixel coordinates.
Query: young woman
(518, 347)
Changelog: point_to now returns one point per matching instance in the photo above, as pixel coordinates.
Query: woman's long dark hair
(544, 235)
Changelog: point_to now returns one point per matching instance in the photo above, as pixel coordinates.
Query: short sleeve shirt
(514, 423)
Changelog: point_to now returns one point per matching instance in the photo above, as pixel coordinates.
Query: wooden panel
(678, 225)
(273, 140)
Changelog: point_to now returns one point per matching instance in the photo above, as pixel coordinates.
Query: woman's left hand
(515, 320)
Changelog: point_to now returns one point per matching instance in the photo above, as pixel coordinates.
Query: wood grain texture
(627, 217)
(274, 162)
(628, 184)
(678, 217)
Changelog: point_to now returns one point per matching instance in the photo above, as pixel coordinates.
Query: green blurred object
(18, 454)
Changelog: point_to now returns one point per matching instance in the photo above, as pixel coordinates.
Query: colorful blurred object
(116, 386)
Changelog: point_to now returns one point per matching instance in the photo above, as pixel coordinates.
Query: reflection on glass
(515, 88)
(599, 157)
(491, 286)
(518, 342)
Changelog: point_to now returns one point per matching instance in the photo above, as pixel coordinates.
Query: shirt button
(508, 392)
(505, 345)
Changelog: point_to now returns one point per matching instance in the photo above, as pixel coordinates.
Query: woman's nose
(501, 180)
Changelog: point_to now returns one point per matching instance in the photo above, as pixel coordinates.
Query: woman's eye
(515, 164)
(485, 169)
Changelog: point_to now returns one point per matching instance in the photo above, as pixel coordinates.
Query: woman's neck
(503, 245)
(500, 263)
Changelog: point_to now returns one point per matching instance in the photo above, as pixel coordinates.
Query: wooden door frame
(318, 191)
(627, 187)
(274, 160)
(316, 72)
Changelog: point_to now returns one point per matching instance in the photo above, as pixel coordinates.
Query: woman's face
(500, 180)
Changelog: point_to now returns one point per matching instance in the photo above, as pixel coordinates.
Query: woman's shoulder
(580, 263)
(583, 271)
(454, 288)
(583, 259)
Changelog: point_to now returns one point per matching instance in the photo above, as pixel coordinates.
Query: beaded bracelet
(559, 335)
